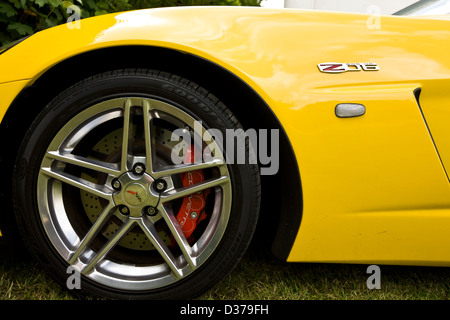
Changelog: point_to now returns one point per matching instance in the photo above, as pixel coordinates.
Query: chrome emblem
(336, 67)
(135, 194)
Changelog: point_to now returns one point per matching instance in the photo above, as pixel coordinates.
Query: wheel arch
(239, 97)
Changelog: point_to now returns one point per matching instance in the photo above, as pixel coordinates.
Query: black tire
(58, 197)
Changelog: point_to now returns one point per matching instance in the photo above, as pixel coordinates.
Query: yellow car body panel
(374, 187)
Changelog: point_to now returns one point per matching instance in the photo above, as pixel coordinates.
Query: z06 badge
(336, 67)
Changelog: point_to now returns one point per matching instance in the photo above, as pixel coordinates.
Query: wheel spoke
(127, 225)
(126, 135)
(93, 231)
(147, 135)
(91, 164)
(179, 237)
(98, 190)
(182, 192)
(160, 246)
(182, 168)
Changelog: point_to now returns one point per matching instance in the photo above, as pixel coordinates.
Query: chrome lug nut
(138, 168)
(116, 184)
(124, 210)
(151, 211)
(160, 185)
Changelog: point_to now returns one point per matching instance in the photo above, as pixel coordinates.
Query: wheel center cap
(135, 194)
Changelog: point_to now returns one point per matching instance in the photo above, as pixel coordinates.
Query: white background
(362, 6)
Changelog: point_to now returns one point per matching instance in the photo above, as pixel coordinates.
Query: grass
(263, 278)
(266, 279)
(27, 281)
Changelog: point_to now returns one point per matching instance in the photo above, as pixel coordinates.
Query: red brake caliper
(192, 210)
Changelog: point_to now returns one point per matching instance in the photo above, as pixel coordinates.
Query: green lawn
(264, 278)
(261, 279)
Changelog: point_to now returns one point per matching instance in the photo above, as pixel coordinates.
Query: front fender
(277, 52)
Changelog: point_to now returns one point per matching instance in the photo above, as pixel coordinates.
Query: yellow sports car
(140, 150)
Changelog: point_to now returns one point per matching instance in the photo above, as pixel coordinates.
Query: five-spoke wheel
(120, 178)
